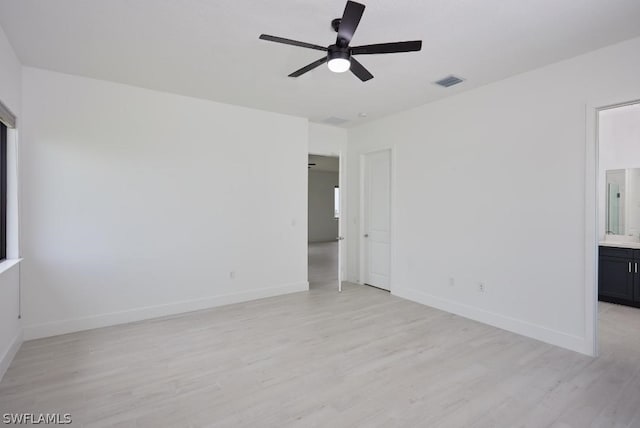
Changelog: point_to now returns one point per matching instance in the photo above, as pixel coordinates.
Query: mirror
(623, 202)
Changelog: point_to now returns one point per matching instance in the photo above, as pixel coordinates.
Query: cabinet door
(636, 284)
(636, 276)
(615, 281)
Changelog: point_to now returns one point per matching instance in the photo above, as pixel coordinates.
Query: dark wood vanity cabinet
(618, 277)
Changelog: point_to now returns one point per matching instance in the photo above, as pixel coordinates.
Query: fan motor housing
(336, 51)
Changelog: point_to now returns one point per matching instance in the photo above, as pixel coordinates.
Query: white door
(338, 201)
(340, 249)
(377, 218)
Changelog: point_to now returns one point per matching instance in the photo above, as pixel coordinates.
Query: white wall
(489, 185)
(10, 79)
(139, 203)
(10, 329)
(619, 148)
(326, 140)
(323, 226)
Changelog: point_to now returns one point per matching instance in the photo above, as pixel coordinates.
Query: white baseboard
(9, 354)
(544, 334)
(55, 328)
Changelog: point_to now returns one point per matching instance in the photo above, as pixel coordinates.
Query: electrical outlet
(232, 274)
(481, 287)
(452, 281)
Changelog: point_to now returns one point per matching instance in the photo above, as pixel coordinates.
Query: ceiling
(324, 163)
(210, 49)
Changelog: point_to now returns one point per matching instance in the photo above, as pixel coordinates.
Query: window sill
(7, 264)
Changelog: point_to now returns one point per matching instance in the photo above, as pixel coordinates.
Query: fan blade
(350, 19)
(291, 42)
(359, 70)
(385, 48)
(309, 67)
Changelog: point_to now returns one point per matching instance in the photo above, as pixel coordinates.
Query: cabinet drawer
(626, 253)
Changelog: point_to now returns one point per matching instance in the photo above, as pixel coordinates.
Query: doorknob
(340, 238)
(366, 235)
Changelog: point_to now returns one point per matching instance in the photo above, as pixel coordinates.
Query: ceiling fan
(339, 56)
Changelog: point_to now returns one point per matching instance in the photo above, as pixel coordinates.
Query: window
(336, 202)
(3, 191)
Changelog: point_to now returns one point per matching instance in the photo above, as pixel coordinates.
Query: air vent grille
(449, 81)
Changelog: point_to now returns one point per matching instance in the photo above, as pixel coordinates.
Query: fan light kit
(339, 65)
(339, 57)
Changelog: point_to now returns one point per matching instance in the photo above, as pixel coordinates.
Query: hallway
(323, 264)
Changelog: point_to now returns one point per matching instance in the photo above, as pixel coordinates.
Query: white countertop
(635, 245)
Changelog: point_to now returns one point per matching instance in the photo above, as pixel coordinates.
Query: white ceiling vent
(335, 121)
(449, 81)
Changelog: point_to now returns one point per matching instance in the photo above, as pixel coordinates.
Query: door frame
(592, 157)
(392, 224)
(342, 221)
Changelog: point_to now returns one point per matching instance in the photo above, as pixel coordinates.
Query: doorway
(376, 220)
(324, 211)
(617, 311)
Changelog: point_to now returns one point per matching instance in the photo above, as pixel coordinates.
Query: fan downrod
(335, 24)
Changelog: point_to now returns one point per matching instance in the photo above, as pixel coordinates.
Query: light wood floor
(319, 358)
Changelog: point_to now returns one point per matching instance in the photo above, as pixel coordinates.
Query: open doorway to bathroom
(323, 221)
(618, 213)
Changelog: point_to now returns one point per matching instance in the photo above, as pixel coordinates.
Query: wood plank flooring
(319, 358)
